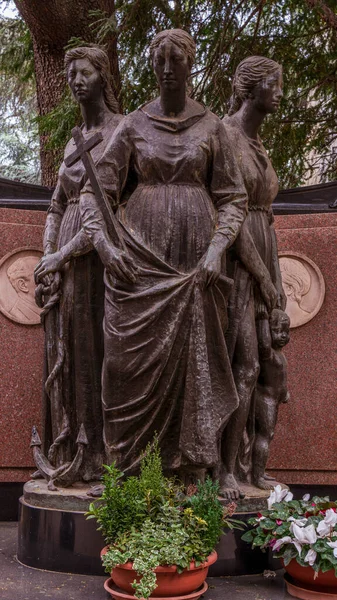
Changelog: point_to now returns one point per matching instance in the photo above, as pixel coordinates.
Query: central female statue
(181, 202)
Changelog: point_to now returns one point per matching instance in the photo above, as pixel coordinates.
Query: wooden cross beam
(82, 152)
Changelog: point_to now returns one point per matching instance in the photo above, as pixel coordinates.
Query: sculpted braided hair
(99, 59)
(249, 73)
(180, 38)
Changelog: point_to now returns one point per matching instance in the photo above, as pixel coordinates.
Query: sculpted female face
(171, 66)
(268, 93)
(84, 80)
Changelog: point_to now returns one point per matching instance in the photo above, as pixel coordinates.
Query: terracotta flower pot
(169, 581)
(305, 576)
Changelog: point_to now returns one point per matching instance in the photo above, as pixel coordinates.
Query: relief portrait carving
(17, 286)
(303, 285)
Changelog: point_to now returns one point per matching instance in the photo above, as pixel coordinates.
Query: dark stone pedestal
(55, 535)
(58, 540)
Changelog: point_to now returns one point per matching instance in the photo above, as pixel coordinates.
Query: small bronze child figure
(271, 389)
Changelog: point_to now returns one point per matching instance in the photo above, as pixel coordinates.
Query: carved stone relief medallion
(303, 285)
(17, 286)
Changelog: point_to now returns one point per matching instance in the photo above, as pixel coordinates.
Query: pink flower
(279, 522)
(272, 543)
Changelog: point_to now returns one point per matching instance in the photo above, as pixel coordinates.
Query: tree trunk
(50, 84)
(52, 24)
(326, 13)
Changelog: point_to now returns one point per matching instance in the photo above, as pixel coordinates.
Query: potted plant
(303, 533)
(160, 539)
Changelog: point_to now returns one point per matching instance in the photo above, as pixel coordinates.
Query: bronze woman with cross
(74, 337)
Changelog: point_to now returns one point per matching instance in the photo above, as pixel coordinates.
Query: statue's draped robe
(74, 332)
(262, 186)
(166, 366)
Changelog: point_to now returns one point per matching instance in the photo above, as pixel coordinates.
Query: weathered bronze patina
(166, 367)
(254, 264)
(71, 285)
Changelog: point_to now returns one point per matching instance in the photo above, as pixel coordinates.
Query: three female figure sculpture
(182, 181)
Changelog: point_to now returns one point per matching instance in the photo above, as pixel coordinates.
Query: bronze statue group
(175, 326)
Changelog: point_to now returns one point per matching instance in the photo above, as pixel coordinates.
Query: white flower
(330, 517)
(306, 498)
(305, 535)
(277, 495)
(334, 546)
(310, 557)
(325, 527)
(299, 522)
(297, 546)
(285, 540)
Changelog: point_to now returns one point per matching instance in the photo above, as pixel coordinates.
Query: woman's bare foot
(36, 475)
(229, 488)
(263, 484)
(96, 491)
(268, 477)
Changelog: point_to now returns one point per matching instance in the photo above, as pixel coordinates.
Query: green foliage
(301, 36)
(58, 123)
(279, 522)
(19, 143)
(127, 502)
(301, 136)
(206, 505)
(174, 538)
(121, 506)
(150, 521)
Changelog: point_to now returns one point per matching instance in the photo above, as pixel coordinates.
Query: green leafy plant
(305, 530)
(150, 521)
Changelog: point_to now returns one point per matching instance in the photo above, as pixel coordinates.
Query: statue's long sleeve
(228, 192)
(80, 244)
(55, 214)
(112, 170)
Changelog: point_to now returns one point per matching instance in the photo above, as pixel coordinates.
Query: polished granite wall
(305, 444)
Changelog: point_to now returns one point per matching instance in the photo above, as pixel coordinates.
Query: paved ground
(23, 583)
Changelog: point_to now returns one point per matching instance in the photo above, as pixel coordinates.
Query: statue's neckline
(256, 141)
(100, 127)
(173, 124)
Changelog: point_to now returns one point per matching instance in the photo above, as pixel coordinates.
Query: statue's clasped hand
(209, 269)
(119, 264)
(281, 299)
(50, 263)
(48, 286)
(269, 294)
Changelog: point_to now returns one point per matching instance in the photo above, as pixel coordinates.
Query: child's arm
(284, 395)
